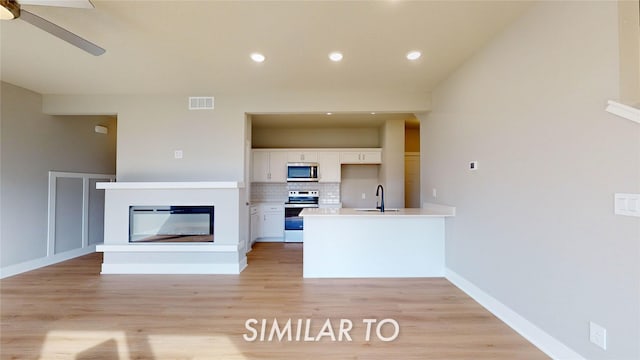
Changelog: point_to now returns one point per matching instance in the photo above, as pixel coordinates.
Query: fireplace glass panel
(171, 223)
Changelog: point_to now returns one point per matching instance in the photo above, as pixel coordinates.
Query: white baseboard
(243, 264)
(22, 267)
(181, 269)
(538, 337)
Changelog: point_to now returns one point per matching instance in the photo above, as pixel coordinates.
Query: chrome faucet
(380, 192)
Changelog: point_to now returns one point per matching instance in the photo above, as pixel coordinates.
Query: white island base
(346, 243)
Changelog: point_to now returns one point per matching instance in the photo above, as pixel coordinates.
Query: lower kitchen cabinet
(255, 217)
(269, 220)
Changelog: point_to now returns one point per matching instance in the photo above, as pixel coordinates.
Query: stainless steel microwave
(302, 172)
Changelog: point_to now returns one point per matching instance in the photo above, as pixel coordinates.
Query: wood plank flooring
(70, 311)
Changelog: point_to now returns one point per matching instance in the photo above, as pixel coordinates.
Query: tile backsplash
(270, 192)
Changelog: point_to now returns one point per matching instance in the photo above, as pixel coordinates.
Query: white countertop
(308, 212)
(170, 185)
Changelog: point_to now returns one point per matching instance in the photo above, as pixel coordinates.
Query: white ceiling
(203, 47)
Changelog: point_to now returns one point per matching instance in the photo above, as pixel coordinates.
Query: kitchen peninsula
(351, 243)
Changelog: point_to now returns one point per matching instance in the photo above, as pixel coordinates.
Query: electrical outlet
(598, 335)
(364, 196)
(177, 154)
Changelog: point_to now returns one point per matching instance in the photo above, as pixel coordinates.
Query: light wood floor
(69, 311)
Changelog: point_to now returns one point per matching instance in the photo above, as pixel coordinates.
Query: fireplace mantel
(625, 111)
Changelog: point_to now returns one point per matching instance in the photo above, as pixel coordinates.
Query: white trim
(170, 185)
(167, 248)
(51, 204)
(85, 211)
(243, 263)
(51, 223)
(208, 268)
(78, 175)
(622, 110)
(538, 337)
(22, 267)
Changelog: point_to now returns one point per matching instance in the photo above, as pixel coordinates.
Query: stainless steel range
(298, 200)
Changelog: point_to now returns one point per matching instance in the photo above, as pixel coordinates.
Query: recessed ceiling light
(329, 113)
(373, 113)
(414, 55)
(335, 56)
(257, 57)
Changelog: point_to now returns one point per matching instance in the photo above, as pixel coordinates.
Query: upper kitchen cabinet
(361, 156)
(329, 166)
(269, 166)
(302, 156)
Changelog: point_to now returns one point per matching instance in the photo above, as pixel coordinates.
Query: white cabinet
(269, 166)
(255, 218)
(278, 166)
(372, 156)
(260, 166)
(302, 156)
(329, 166)
(270, 222)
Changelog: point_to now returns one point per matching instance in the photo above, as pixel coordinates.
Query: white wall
(392, 168)
(535, 227)
(151, 127)
(358, 180)
(316, 137)
(629, 31)
(32, 144)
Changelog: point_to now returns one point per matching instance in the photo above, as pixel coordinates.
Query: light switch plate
(473, 165)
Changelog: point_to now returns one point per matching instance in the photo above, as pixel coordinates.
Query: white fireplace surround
(625, 111)
(226, 255)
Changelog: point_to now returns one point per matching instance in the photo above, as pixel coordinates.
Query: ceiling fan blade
(63, 34)
(80, 4)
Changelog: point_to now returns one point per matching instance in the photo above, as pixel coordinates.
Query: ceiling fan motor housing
(10, 9)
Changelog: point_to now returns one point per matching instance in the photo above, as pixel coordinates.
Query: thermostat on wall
(473, 165)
